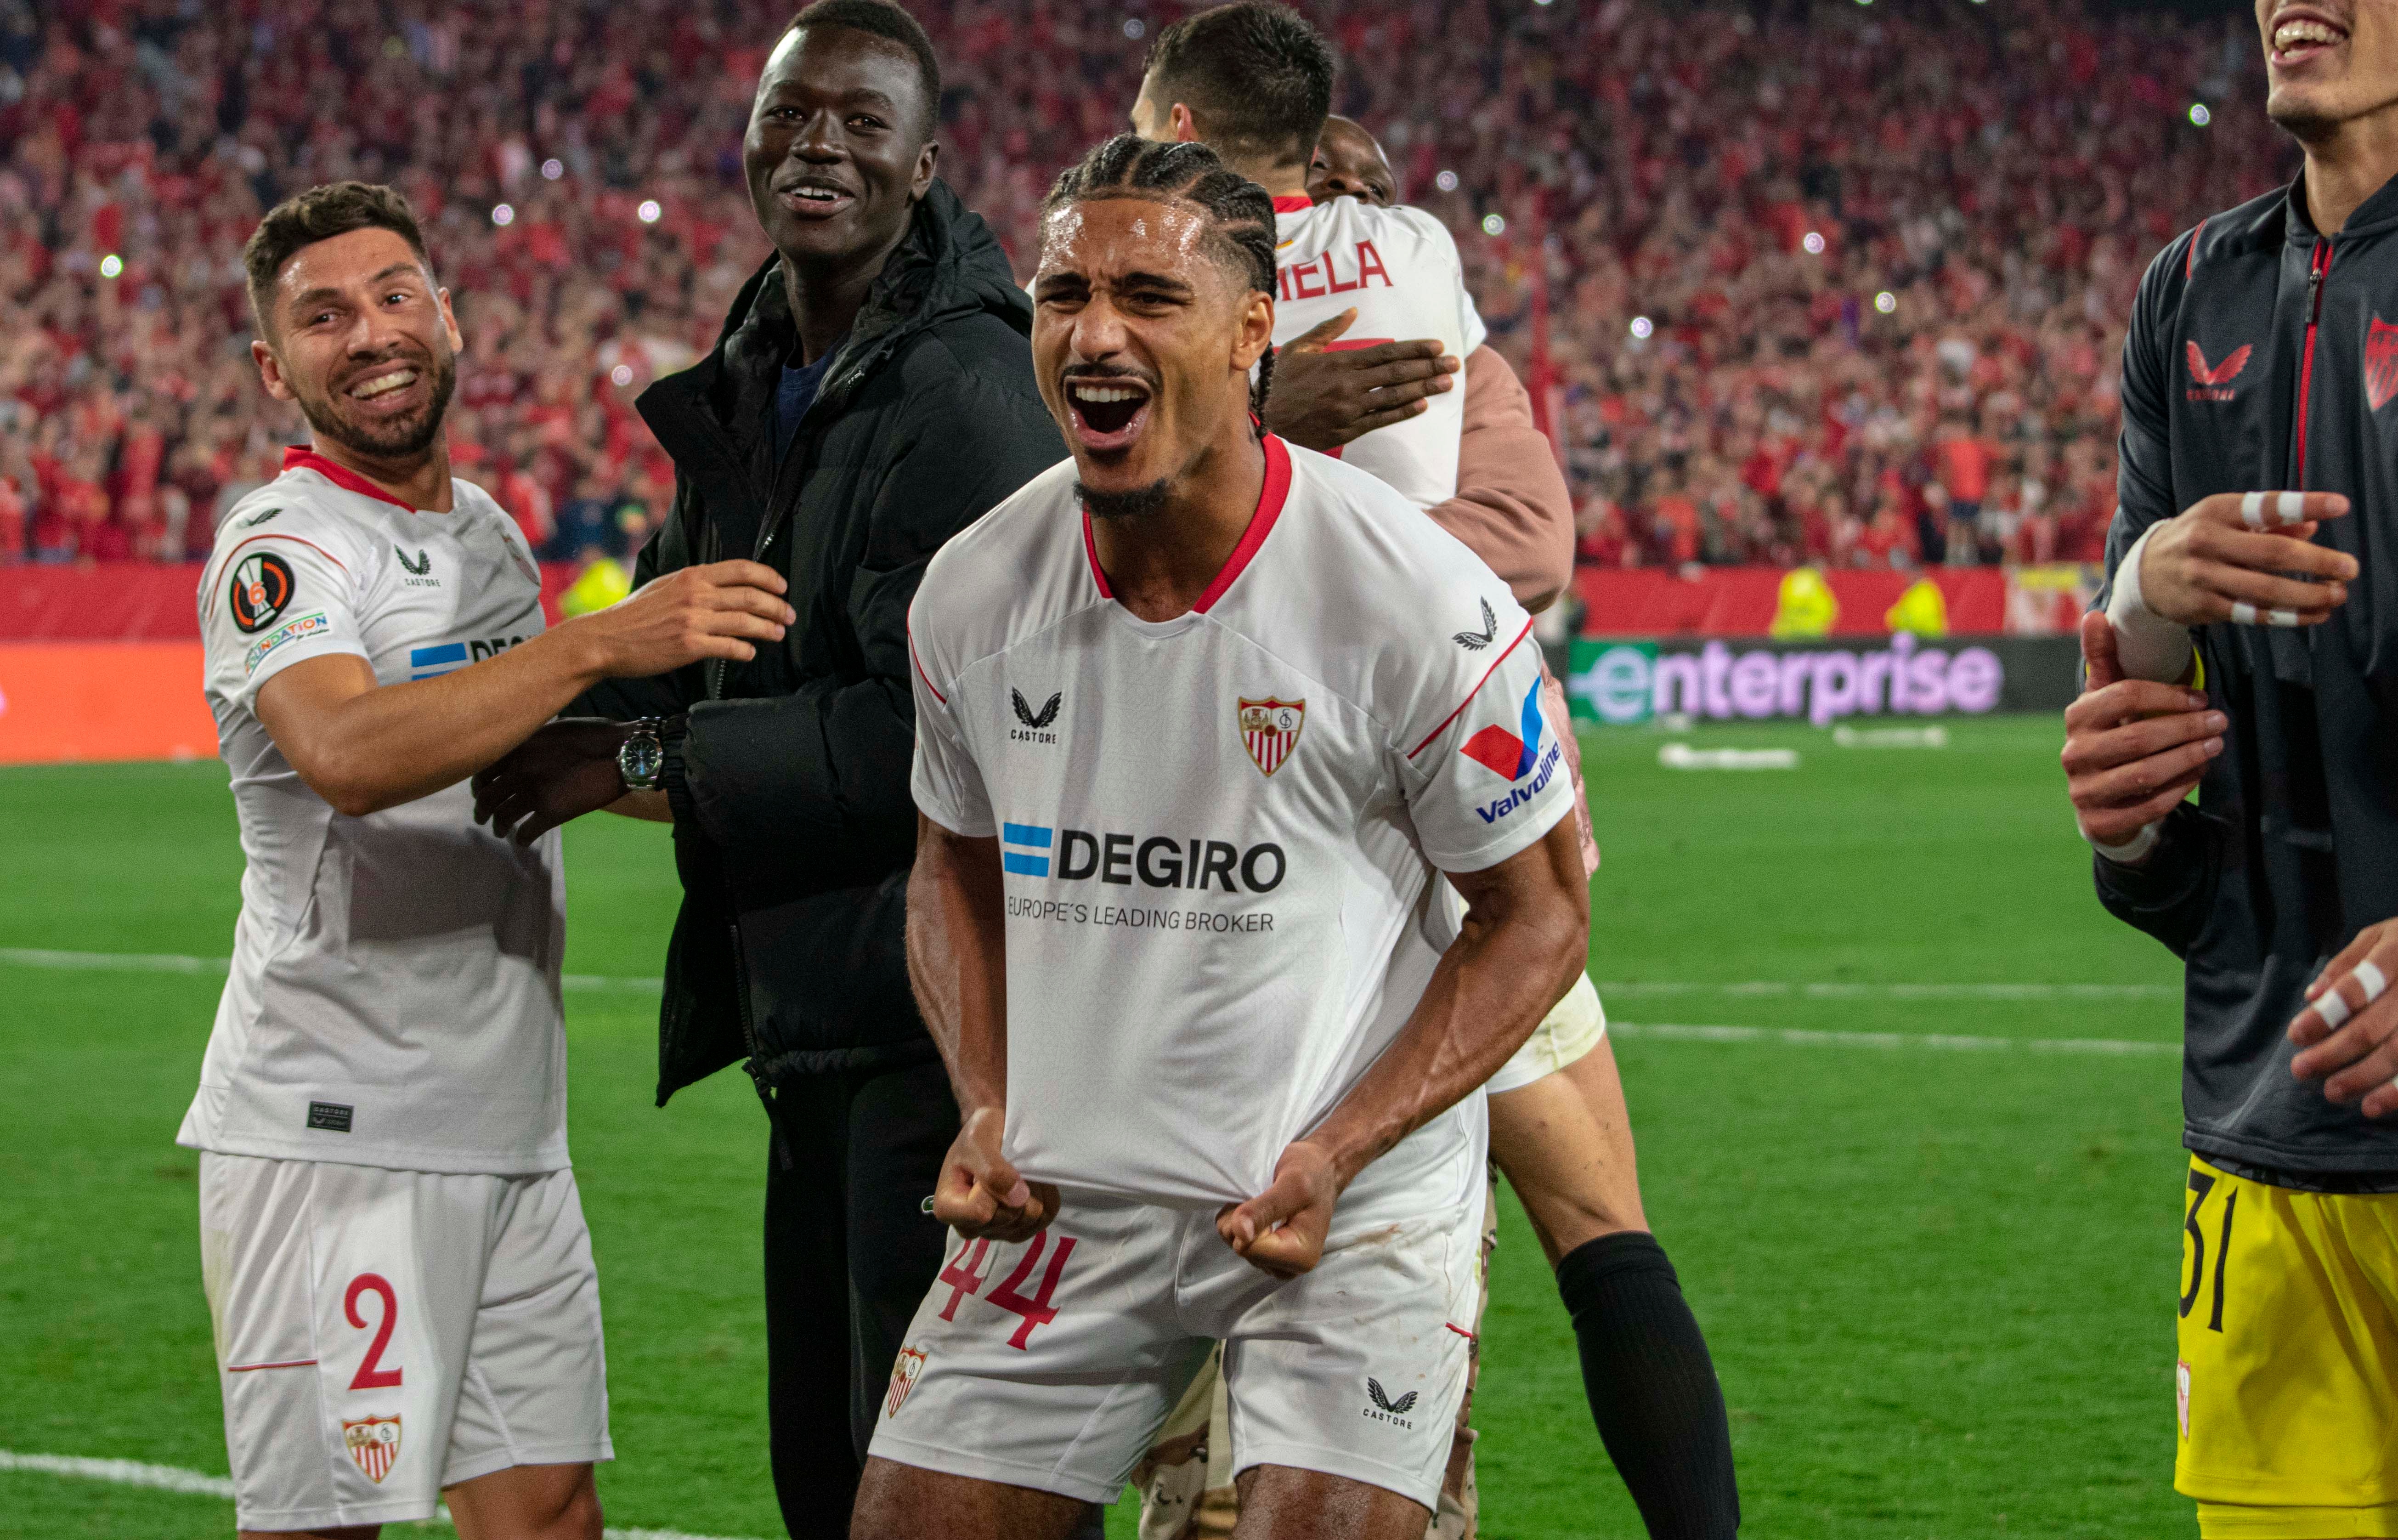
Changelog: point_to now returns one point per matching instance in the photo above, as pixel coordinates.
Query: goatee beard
(1139, 502)
(406, 440)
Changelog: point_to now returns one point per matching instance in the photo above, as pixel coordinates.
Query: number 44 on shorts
(967, 1271)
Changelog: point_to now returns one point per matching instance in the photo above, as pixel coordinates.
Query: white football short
(1571, 1029)
(1052, 1363)
(383, 1334)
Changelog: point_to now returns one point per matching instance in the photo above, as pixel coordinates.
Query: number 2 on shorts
(372, 1375)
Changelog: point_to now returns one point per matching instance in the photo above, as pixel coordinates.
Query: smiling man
(1218, 1044)
(2248, 647)
(871, 395)
(394, 1249)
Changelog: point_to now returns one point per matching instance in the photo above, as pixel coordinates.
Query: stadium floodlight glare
(1446, 181)
(503, 214)
(552, 169)
(1642, 327)
(1813, 241)
(1493, 225)
(2199, 116)
(1134, 27)
(621, 376)
(649, 211)
(111, 264)
(1885, 302)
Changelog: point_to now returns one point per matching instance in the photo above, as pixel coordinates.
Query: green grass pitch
(1938, 1284)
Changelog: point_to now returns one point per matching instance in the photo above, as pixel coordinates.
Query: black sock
(1651, 1386)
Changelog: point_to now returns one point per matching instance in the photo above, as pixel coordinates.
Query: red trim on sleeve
(1471, 694)
(278, 535)
(1270, 497)
(1292, 203)
(302, 457)
(919, 666)
(2190, 258)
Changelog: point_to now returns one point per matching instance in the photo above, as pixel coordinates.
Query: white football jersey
(393, 996)
(1218, 832)
(1399, 267)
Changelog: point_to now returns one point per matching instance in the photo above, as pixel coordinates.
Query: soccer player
(1254, 81)
(1215, 1039)
(394, 1251)
(2246, 648)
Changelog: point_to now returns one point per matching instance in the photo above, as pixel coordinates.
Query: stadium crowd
(1821, 280)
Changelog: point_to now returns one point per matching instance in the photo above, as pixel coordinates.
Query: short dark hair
(320, 214)
(1257, 73)
(1240, 213)
(884, 20)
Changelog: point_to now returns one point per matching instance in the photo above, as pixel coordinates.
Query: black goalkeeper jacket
(794, 825)
(2262, 356)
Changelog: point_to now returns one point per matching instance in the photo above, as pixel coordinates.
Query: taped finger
(2243, 613)
(2370, 978)
(2262, 510)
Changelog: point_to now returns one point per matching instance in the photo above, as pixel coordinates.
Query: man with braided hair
(1253, 80)
(1195, 739)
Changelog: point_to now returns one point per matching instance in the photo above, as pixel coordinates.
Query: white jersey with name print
(1219, 833)
(393, 996)
(1399, 268)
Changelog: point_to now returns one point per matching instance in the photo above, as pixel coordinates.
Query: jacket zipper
(2318, 266)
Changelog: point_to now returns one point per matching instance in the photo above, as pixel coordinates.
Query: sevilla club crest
(373, 1442)
(2380, 363)
(1270, 730)
(903, 1378)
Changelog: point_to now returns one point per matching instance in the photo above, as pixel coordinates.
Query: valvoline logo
(1513, 756)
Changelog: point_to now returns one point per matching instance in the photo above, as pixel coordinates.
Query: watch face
(640, 760)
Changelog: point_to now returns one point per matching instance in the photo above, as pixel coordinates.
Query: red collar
(303, 457)
(1292, 203)
(1270, 501)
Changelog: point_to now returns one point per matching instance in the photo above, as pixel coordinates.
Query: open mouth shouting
(1109, 410)
(814, 196)
(2301, 34)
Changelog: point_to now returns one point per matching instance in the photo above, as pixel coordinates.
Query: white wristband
(2135, 849)
(2147, 644)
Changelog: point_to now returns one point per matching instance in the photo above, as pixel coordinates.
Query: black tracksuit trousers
(850, 1253)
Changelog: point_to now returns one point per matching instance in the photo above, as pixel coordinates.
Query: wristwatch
(641, 758)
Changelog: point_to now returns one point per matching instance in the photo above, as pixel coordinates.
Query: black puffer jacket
(794, 827)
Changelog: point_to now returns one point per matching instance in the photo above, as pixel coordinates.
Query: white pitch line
(1801, 1037)
(153, 962)
(1895, 992)
(196, 1483)
(159, 962)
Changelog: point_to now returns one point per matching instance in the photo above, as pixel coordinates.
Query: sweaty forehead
(1129, 232)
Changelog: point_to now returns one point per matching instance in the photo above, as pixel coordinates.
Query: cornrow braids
(1240, 213)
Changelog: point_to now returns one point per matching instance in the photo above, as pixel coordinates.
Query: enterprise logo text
(1156, 861)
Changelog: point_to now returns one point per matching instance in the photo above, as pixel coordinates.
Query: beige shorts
(1571, 1029)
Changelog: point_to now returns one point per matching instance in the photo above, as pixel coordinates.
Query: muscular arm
(364, 747)
(957, 964)
(1526, 934)
(1512, 508)
(957, 960)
